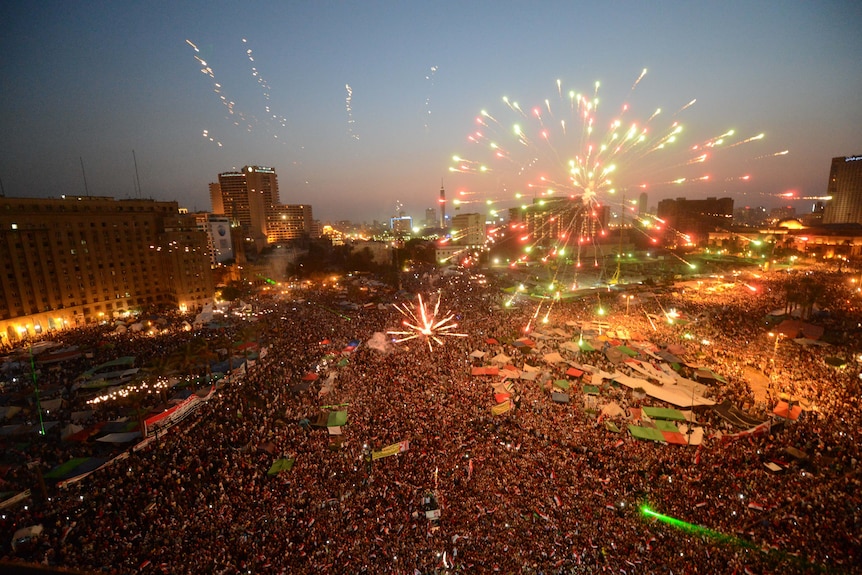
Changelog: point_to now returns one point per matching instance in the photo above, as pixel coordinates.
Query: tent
(336, 419)
(561, 383)
(585, 345)
(792, 328)
(553, 357)
(612, 409)
(704, 373)
(784, 410)
(574, 372)
(645, 433)
(478, 354)
(75, 467)
(674, 395)
(125, 437)
(484, 370)
(25, 534)
(736, 416)
(664, 413)
(557, 397)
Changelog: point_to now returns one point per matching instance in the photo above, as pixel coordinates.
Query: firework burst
(423, 322)
(561, 153)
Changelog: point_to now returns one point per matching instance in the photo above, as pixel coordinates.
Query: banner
(501, 408)
(393, 449)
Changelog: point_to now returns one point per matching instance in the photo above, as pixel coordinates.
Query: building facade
(691, 221)
(248, 196)
(77, 260)
(468, 229)
(290, 222)
(845, 189)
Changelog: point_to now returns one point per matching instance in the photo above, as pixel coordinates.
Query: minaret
(442, 202)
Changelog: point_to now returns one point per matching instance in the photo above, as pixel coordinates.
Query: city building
(468, 230)
(290, 222)
(216, 200)
(217, 228)
(782, 213)
(401, 225)
(749, 216)
(248, 196)
(76, 260)
(548, 221)
(430, 218)
(845, 190)
(689, 222)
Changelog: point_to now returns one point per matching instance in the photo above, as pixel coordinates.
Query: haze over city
(361, 107)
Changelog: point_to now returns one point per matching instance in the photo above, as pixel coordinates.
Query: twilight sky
(361, 106)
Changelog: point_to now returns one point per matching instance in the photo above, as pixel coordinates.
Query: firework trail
(265, 89)
(348, 104)
(237, 117)
(206, 134)
(430, 79)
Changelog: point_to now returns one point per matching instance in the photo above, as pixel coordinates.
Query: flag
(501, 408)
(393, 449)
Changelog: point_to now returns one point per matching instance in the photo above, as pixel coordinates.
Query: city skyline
(361, 107)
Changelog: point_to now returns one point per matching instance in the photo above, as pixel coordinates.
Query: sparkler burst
(424, 322)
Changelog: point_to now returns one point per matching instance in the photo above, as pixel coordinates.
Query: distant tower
(642, 204)
(442, 201)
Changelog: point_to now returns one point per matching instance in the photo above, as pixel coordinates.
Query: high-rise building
(77, 260)
(290, 222)
(430, 218)
(845, 189)
(216, 200)
(548, 221)
(468, 229)
(250, 197)
(691, 221)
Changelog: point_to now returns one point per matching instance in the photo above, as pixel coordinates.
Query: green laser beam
(696, 529)
(730, 539)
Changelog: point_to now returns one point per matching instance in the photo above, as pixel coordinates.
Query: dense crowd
(543, 488)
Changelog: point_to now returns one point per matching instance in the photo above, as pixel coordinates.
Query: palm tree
(159, 369)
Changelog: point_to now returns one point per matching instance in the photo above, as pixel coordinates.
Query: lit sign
(853, 158)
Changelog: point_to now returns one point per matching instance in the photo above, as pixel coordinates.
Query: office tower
(216, 200)
(430, 218)
(249, 196)
(77, 260)
(290, 222)
(845, 189)
(691, 221)
(468, 229)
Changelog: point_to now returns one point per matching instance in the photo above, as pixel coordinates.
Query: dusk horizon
(362, 107)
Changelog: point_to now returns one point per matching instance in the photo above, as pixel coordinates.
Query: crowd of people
(541, 488)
